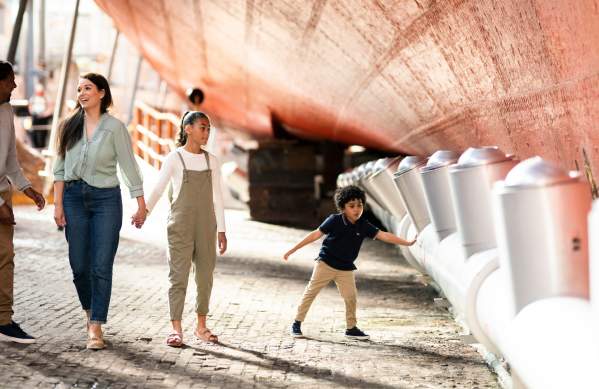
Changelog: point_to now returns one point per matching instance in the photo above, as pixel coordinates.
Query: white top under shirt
(172, 172)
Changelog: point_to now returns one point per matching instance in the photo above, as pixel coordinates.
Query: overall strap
(207, 159)
(184, 167)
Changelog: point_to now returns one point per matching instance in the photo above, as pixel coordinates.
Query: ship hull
(401, 76)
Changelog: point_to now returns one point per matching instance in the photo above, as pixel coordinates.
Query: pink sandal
(174, 340)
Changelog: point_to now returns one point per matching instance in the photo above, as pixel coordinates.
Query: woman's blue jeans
(94, 217)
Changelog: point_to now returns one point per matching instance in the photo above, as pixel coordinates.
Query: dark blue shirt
(343, 240)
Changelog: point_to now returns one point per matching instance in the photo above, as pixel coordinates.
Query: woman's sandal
(95, 343)
(206, 335)
(174, 340)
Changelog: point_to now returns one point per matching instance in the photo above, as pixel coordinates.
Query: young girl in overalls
(196, 214)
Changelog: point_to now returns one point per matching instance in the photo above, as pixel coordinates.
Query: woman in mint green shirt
(87, 198)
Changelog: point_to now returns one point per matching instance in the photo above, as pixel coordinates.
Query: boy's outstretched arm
(390, 238)
(311, 237)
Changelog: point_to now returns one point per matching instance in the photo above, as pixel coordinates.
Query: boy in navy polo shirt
(344, 232)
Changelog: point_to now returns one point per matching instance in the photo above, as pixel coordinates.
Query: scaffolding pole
(16, 32)
(41, 54)
(135, 86)
(64, 77)
(113, 55)
(28, 67)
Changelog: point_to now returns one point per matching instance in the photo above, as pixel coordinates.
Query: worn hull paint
(409, 76)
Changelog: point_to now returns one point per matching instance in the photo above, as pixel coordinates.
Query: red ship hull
(410, 76)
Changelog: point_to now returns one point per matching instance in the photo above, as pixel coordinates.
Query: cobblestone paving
(413, 344)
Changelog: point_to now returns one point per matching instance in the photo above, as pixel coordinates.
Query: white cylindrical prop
(435, 181)
(409, 184)
(471, 181)
(541, 215)
(381, 185)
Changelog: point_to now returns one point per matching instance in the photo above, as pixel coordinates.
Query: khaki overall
(192, 238)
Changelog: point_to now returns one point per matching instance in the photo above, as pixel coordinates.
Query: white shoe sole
(358, 337)
(6, 338)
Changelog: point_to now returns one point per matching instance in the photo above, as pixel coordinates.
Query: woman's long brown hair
(71, 129)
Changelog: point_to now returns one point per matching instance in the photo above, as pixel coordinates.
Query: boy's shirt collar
(343, 218)
(347, 222)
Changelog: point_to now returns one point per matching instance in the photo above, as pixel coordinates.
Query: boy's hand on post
(411, 243)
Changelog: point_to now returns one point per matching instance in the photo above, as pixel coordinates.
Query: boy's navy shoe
(296, 329)
(356, 333)
(13, 333)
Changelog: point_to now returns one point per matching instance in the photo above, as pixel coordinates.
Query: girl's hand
(287, 254)
(59, 218)
(222, 243)
(139, 218)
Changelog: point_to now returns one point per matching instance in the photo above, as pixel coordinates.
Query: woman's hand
(59, 218)
(139, 218)
(222, 243)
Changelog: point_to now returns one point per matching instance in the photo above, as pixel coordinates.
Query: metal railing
(153, 133)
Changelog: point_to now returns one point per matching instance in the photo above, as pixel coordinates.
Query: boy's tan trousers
(321, 276)
(7, 267)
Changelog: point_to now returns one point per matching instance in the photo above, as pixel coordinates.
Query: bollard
(407, 179)
(471, 181)
(437, 192)
(382, 186)
(541, 222)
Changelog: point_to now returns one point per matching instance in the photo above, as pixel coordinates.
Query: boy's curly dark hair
(348, 193)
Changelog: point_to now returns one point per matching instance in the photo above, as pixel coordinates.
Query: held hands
(36, 196)
(139, 218)
(6, 215)
(222, 243)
